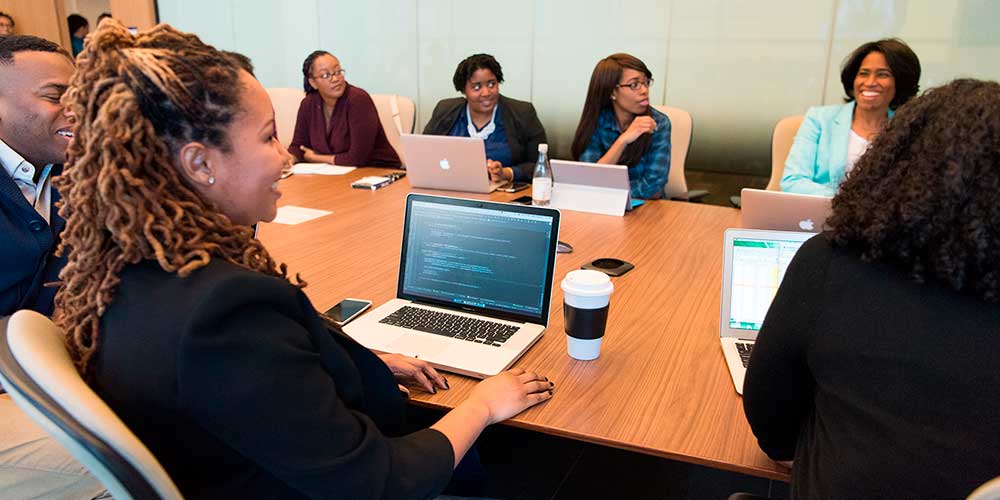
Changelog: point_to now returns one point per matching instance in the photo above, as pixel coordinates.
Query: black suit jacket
(520, 121)
(236, 385)
(27, 243)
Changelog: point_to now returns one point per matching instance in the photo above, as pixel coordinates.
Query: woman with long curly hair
(186, 326)
(876, 366)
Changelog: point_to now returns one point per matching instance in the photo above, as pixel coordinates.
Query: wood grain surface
(660, 386)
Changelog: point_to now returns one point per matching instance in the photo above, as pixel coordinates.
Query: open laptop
(782, 211)
(445, 162)
(475, 279)
(590, 187)
(753, 265)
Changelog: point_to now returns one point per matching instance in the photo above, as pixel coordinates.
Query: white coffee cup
(586, 298)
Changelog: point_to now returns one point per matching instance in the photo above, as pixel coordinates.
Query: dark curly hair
(902, 61)
(926, 196)
(307, 66)
(474, 63)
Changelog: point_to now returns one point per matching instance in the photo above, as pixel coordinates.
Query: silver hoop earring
(211, 180)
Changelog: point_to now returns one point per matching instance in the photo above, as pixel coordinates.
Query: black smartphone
(347, 309)
(524, 200)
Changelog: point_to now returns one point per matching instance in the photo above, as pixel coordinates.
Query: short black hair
(902, 61)
(474, 63)
(12, 44)
(241, 60)
(102, 16)
(76, 21)
(307, 69)
(11, 19)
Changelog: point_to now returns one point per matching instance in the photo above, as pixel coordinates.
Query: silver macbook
(782, 211)
(475, 279)
(753, 265)
(445, 162)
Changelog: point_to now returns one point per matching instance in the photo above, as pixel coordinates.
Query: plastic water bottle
(541, 184)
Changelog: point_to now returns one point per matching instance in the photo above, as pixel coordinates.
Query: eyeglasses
(636, 85)
(326, 75)
(477, 86)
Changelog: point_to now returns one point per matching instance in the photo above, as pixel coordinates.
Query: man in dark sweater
(34, 132)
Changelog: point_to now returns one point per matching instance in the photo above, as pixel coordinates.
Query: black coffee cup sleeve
(585, 324)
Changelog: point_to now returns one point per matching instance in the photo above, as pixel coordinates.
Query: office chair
(398, 114)
(40, 377)
(681, 130)
(781, 144)
(286, 103)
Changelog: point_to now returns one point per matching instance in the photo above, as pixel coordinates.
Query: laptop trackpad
(417, 345)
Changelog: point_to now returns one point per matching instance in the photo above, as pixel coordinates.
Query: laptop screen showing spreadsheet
(758, 266)
(486, 258)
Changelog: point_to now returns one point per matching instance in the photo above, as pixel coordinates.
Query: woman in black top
(876, 367)
(189, 330)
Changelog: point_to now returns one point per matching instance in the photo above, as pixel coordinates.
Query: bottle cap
(543, 148)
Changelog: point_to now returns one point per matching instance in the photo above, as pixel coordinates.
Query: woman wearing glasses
(619, 127)
(337, 121)
(509, 128)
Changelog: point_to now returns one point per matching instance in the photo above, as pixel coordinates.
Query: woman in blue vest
(878, 77)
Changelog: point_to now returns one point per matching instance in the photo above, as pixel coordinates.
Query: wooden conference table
(660, 386)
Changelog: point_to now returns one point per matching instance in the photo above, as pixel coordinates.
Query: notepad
(291, 214)
(320, 169)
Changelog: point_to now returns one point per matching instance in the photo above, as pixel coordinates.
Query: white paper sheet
(291, 214)
(320, 169)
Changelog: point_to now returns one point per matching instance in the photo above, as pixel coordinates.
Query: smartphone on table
(515, 187)
(347, 309)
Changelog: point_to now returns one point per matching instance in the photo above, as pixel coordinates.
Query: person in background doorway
(79, 27)
(6, 24)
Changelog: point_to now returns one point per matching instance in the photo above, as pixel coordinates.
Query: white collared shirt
(38, 194)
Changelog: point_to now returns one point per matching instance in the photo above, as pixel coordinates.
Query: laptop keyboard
(744, 349)
(451, 325)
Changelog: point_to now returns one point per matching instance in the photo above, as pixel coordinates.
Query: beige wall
(736, 65)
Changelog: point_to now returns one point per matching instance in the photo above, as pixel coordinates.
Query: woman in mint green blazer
(878, 77)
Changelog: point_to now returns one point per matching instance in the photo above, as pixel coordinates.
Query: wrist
(477, 411)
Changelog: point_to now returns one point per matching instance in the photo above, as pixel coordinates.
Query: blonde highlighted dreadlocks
(137, 100)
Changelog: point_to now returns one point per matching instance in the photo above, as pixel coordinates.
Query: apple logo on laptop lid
(806, 225)
(445, 165)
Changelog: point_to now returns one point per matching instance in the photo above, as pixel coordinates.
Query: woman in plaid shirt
(619, 127)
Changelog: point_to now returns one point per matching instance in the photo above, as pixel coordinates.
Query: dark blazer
(239, 389)
(27, 243)
(520, 121)
(877, 386)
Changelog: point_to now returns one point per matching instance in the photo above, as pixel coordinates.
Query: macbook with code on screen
(445, 162)
(753, 265)
(474, 286)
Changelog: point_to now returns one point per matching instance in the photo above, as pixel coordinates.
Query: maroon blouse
(355, 136)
